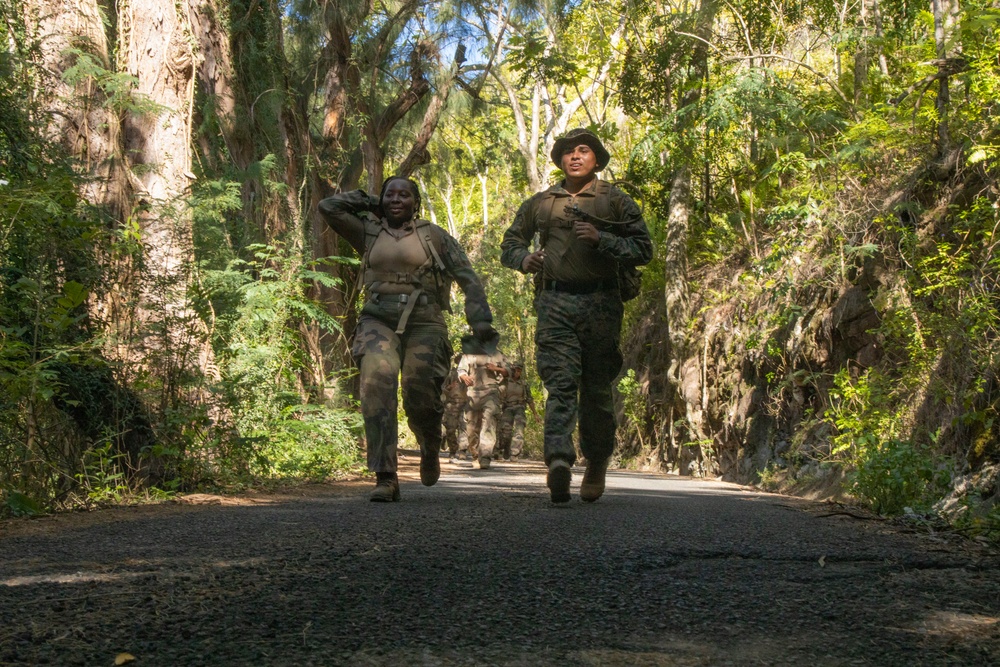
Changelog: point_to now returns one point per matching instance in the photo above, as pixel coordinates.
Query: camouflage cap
(574, 138)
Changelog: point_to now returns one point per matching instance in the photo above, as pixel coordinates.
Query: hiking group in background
(591, 238)
(454, 395)
(482, 374)
(485, 397)
(515, 396)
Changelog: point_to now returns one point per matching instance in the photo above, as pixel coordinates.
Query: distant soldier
(454, 395)
(515, 396)
(482, 374)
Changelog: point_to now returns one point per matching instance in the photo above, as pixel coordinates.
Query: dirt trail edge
(482, 570)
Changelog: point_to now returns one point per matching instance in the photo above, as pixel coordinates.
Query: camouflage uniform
(579, 311)
(515, 396)
(483, 407)
(420, 355)
(455, 396)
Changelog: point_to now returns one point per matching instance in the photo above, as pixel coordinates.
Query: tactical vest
(629, 277)
(431, 279)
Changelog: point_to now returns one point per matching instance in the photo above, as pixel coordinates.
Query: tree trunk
(155, 47)
(883, 64)
(684, 373)
(945, 18)
(861, 56)
(82, 119)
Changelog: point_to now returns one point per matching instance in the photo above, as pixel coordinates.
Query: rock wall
(755, 373)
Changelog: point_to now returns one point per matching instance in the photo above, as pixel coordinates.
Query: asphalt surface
(482, 570)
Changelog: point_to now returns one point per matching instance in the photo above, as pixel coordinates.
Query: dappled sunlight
(83, 577)
(947, 623)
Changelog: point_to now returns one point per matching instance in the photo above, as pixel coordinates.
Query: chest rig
(597, 211)
(550, 219)
(429, 282)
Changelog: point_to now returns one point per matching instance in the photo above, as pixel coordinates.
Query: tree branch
(406, 100)
(946, 67)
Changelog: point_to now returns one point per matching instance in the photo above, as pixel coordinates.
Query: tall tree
(556, 66)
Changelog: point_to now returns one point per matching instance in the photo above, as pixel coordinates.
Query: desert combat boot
(592, 486)
(386, 488)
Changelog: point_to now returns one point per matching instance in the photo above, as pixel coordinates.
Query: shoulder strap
(543, 215)
(365, 259)
(424, 234)
(602, 202)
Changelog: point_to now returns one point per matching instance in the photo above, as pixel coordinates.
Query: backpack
(629, 276)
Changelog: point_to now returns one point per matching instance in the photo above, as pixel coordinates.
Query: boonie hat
(574, 138)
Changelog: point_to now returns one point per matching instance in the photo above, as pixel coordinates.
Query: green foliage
(103, 480)
(980, 518)
(788, 176)
(48, 273)
(20, 147)
(257, 306)
(533, 57)
(889, 473)
(633, 403)
(22, 505)
(893, 475)
(119, 88)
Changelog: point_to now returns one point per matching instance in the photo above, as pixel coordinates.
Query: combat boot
(558, 480)
(484, 463)
(430, 468)
(592, 486)
(386, 488)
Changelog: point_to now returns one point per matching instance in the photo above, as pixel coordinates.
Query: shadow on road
(481, 569)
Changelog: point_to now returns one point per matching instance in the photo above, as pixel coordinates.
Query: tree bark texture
(218, 82)
(156, 47)
(685, 372)
(945, 14)
(81, 118)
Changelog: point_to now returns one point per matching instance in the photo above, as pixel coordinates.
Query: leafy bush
(893, 475)
(260, 303)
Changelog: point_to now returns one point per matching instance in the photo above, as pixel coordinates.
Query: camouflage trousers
(454, 425)
(510, 440)
(481, 414)
(578, 358)
(421, 357)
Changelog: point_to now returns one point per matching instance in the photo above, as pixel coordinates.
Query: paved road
(482, 570)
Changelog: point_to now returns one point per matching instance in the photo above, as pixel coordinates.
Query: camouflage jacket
(627, 243)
